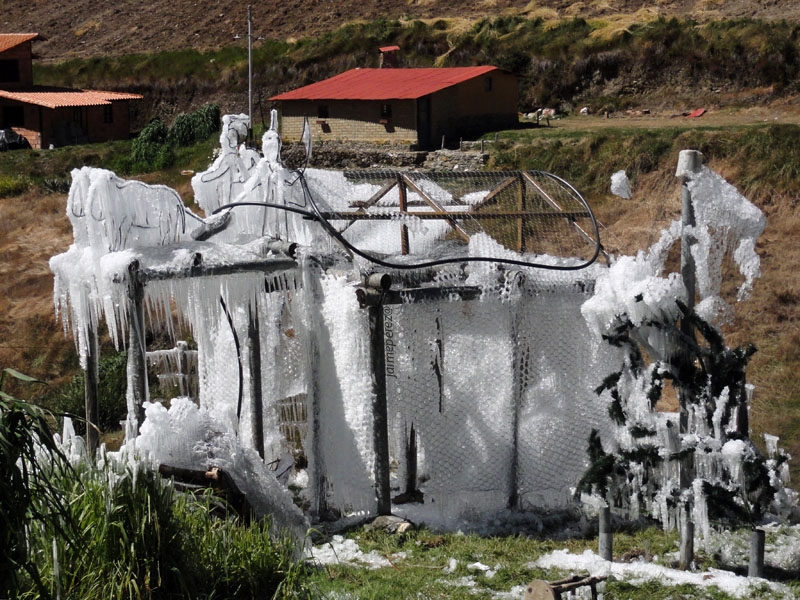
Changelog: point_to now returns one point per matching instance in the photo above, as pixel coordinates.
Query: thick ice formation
(499, 389)
(706, 465)
(620, 185)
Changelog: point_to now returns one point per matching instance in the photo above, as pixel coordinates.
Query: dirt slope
(84, 28)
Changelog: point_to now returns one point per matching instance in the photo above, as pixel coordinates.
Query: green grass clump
(139, 538)
(13, 185)
(112, 387)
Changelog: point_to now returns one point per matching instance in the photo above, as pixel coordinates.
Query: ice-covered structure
(699, 465)
(427, 334)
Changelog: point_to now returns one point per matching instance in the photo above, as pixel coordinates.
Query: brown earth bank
(85, 28)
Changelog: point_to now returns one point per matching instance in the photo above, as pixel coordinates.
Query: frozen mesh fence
(427, 216)
(499, 392)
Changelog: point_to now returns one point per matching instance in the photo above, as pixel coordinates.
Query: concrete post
(605, 537)
(756, 566)
(689, 164)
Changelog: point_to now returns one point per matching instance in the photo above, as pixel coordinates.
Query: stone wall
(351, 155)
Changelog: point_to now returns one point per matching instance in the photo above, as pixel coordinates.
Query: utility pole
(250, 74)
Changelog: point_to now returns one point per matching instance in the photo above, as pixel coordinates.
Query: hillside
(82, 28)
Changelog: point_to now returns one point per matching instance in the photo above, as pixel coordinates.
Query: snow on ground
(639, 572)
(341, 551)
(782, 551)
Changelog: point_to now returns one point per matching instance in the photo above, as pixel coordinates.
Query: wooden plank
(401, 185)
(90, 391)
(137, 361)
(254, 363)
(435, 214)
(555, 205)
(521, 219)
(380, 426)
(437, 207)
(491, 197)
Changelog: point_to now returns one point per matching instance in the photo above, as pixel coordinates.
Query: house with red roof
(414, 106)
(51, 115)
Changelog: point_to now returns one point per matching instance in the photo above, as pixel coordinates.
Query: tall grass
(557, 61)
(139, 538)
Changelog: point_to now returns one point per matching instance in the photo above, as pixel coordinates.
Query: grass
(420, 560)
(137, 537)
(557, 60)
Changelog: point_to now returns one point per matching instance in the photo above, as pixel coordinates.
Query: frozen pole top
(689, 163)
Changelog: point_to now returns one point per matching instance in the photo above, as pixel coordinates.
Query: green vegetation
(558, 60)
(112, 385)
(117, 530)
(154, 148)
(762, 154)
(30, 463)
(139, 538)
(422, 571)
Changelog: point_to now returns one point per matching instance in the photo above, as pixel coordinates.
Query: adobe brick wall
(461, 110)
(22, 54)
(467, 109)
(44, 126)
(350, 120)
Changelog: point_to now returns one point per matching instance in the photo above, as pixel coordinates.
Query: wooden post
(316, 466)
(403, 191)
(689, 163)
(411, 463)
(687, 541)
(90, 391)
(518, 361)
(521, 219)
(605, 537)
(254, 363)
(137, 347)
(380, 416)
(756, 566)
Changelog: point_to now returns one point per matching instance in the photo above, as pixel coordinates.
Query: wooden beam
(254, 363)
(555, 205)
(401, 185)
(437, 207)
(90, 391)
(491, 197)
(449, 215)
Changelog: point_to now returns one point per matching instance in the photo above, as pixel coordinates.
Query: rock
(390, 524)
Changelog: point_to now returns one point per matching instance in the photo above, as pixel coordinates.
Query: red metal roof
(60, 97)
(9, 40)
(384, 84)
(389, 48)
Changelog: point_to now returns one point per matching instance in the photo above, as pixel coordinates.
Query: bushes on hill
(154, 148)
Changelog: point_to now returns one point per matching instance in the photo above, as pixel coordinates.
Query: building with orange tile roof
(50, 115)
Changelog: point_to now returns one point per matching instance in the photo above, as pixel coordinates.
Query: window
(13, 116)
(322, 111)
(487, 84)
(386, 111)
(9, 71)
(108, 113)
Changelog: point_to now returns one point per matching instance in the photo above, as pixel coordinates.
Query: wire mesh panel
(430, 216)
(499, 392)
